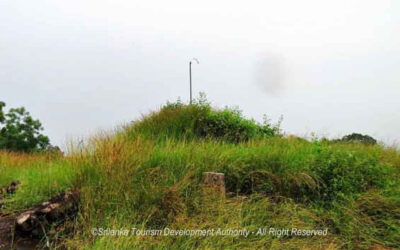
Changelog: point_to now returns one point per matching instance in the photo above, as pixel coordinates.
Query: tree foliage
(355, 137)
(20, 132)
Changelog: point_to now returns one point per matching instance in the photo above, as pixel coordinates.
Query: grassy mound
(188, 122)
(148, 175)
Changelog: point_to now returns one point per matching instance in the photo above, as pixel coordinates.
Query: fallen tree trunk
(27, 228)
(57, 209)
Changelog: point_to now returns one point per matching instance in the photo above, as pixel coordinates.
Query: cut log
(54, 210)
(215, 181)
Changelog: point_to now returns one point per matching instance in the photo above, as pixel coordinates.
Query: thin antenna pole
(190, 77)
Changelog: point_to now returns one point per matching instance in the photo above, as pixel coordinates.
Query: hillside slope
(148, 175)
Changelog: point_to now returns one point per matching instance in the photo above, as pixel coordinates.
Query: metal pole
(190, 77)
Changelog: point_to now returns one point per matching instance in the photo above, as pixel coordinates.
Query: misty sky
(329, 67)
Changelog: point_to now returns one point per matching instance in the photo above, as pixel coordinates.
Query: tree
(20, 132)
(2, 105)
(355, 137)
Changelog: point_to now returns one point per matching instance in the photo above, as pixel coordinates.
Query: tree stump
(215, 182)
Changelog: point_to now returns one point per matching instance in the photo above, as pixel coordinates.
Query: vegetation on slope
(148, 175)
(40, 177)
(20, 132)
(200, 121)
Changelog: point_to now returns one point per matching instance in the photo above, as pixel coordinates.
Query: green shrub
(345, 172)
(200, 120)
(355, 137)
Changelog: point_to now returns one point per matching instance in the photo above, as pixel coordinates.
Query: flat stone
(46, 203)
(50, 207)
(21, 219)
(215, 181)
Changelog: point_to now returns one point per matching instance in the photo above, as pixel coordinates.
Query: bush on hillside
(355, 137)
(200, 120)
(306, 171)
(342, 172)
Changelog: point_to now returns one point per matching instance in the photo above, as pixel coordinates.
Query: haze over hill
(330, 68)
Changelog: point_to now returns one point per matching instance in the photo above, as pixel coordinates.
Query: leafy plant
(20, 132)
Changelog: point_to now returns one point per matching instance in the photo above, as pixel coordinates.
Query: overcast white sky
(329, 67)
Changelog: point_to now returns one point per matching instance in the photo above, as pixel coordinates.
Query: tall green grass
(40, 177)
(148, 175)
